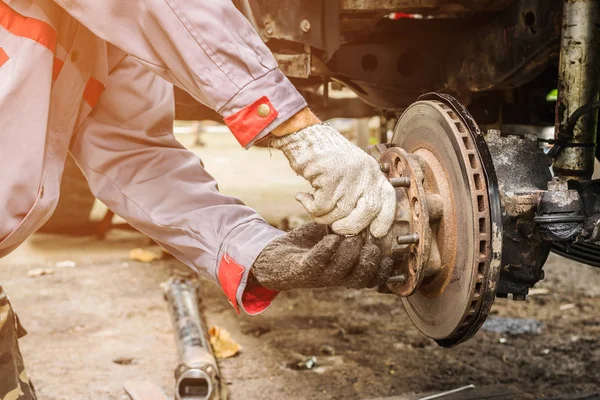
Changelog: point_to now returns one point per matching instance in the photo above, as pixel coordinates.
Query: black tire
(72, 214)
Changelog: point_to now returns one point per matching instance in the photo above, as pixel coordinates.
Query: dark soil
(96, 326)
(377, 352)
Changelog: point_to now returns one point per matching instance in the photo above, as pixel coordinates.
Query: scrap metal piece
(197, 374)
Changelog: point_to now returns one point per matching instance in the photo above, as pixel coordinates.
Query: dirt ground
(379, 353)
(104, 322)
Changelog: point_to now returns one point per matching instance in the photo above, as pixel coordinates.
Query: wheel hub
(442, 240)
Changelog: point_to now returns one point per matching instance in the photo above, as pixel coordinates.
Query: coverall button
(263, 110)
(74, 55)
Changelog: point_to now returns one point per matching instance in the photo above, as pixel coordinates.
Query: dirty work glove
(351, 193)
(308, 257)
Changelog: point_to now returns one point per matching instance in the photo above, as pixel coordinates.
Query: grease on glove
(350, 191)
(308, 257)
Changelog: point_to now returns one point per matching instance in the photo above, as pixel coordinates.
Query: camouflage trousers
(14, 383)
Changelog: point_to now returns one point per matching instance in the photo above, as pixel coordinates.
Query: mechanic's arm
(134, 164)
(209, 49)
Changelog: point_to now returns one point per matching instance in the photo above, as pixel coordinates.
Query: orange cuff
(254, 299)
(230, 277)
(251, 120)
(257, 299)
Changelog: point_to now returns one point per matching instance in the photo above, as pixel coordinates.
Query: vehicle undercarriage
(482, 197)
(481, 203)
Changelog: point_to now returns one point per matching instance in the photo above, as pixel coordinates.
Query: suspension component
(578, 86)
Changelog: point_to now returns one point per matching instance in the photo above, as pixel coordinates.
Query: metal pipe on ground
(197, 375)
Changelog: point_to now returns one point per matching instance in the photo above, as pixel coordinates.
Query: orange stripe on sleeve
(3, 56)
(93, 91)
(56, 67)
(26, 27)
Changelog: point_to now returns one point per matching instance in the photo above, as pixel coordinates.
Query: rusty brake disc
(450, 268)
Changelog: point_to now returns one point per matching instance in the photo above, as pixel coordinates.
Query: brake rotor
(451, 294)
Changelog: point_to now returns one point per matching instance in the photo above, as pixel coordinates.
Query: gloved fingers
(365, 211)
(381, 225)
(344, 206)
(317, 204)
(308, 235)
(364, 272)
(344, 260)
(384, 271)
(288, 262)
(319, 257)
(308, 202)
(336, 214)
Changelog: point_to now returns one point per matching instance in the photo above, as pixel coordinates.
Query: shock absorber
(578, 90)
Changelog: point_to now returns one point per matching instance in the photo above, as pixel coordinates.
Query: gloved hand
(351, 192)
(308, 257)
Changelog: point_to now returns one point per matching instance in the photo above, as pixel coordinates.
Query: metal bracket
(295, 65)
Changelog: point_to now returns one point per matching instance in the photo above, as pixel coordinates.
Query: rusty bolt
(400, 278)
(413, 238)
(305, 25)
(385, 167)
(269, 30)
(403, 181)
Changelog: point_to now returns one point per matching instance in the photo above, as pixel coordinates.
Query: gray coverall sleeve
(206, 47)
(136, 167)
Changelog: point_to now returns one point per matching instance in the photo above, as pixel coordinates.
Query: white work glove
(351, 192)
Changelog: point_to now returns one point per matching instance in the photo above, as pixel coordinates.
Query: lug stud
(400, 278)
(403, 181)
(413, 238)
